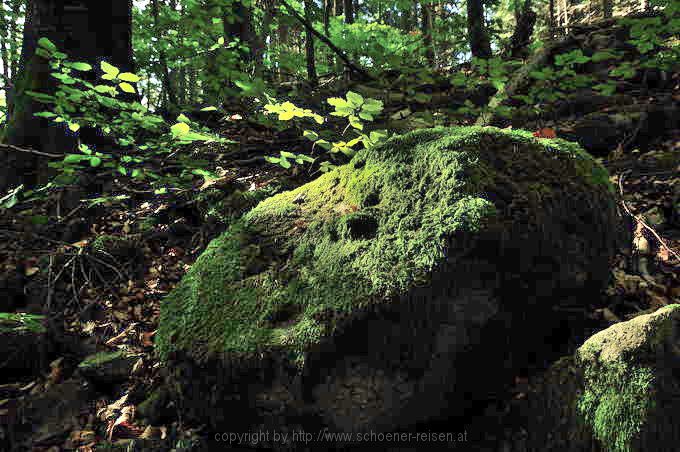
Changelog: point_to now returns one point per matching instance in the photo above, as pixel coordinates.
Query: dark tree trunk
(169, 89)
(309, 46)
(519, 42)
(480, 45)
(241, 28)
(348, 8)
(426, 28)
(87, 30)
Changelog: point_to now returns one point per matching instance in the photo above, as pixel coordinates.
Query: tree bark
(170, 95)
(480, 45)
(309, 46)
(520, 40)
(348, 9)
(86, 30)
(426, 28)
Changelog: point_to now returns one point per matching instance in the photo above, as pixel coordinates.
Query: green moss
(10, 322)
(98, 359)
(361, 234)
(620, 378)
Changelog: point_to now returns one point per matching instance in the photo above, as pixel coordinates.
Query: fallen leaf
(545, 132)
(30, 271)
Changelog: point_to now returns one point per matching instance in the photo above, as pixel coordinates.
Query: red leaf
(545, 132)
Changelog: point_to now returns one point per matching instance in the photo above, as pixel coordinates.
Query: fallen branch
(12, 147)
(327, 41)
(641, 221)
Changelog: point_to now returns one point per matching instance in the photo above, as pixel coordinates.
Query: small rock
(22, 345)
(107, 368)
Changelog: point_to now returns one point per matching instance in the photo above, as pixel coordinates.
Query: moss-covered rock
(410, 257)
(22, 345)
(632, 382)
(107, 367)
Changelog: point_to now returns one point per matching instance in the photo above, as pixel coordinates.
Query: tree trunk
(87, 30)
(348, 8)
(565, 16)
(551, 18)
(309, 46)
(241, 28)
(480, 45)
(169, 89)
(426, 28)
(519, 42)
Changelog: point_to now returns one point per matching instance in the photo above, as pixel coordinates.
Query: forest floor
(120, 310)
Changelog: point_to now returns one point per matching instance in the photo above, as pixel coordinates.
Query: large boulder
(400, 288)
(631, 396)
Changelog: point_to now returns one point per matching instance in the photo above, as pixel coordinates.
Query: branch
(327, 41)
(11, 147)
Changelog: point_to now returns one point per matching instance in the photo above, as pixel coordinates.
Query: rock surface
(631, 395)
(22, 345)
(107, 368)
(364, 301)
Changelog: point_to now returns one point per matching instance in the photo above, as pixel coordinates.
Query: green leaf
(74, 126)
(73, 158)
(209, 109)
(183, 118)
(129, 77)
(355, 123)
(45, 114)
(95, 162)
(104, 89)
(355, 99)
(286, 154)
(310, 135)
(109, 69)
(284, 163)
(47, 44)
(180, 129)
(12, 198)
(40, 97)
(81, 66)
(337, 102)
(126, 87)
(323, 144)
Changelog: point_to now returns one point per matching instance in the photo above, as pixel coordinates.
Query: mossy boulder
(383, 293)
(23, 345)
(631, 397)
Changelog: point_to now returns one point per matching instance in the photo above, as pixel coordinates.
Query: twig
(639, 218)
(12, 147)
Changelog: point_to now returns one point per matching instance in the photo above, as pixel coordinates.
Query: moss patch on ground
(362, 234)
(621, 376)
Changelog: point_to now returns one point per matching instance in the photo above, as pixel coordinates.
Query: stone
(107, 367)
(631, 396)
(384, 293)
(23, 346)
